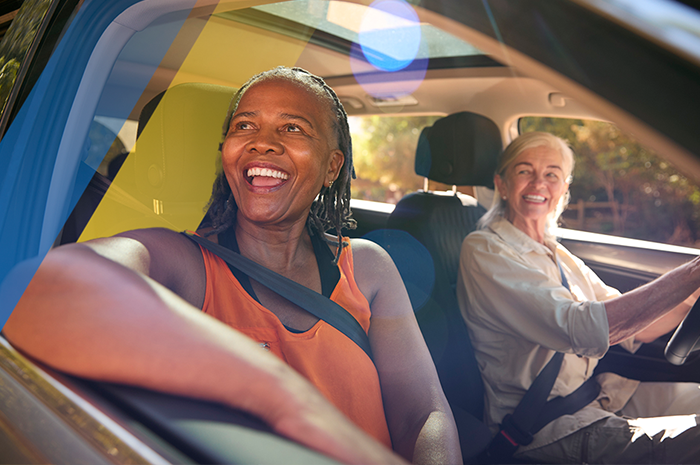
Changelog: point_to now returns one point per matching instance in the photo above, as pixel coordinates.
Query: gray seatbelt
(318, 305)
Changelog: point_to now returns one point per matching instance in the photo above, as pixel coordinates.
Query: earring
(504, 197)
(330, 183)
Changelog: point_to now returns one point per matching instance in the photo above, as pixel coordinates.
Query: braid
(331, 210)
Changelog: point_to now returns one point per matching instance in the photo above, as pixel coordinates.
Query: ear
(336, 163)
(500, 184)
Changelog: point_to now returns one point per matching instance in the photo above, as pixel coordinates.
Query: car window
(17, 40)
(384, 150)
(116, 137)
(8, 12)
(621, 187)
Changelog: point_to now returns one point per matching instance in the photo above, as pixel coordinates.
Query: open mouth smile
(265, 177)
(534, 198)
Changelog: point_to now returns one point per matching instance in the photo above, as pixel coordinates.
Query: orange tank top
(324, 355)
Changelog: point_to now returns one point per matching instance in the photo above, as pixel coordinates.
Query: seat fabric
(460, 149)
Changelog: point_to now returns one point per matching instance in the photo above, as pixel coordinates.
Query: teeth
(252, 172)
(534, 198)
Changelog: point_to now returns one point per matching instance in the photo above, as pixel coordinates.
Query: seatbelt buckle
(514, 433)
(500, 450)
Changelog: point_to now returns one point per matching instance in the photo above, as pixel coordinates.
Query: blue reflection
(389, 59)
(42, 177)
(390, 34)
(414, 262)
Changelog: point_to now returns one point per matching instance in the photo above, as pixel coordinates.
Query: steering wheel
(685, 340)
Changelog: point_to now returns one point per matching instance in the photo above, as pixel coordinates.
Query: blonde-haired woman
(525, 297)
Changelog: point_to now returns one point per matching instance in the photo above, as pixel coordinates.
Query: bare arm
(420, 420)
(92, 317)
(655, 308)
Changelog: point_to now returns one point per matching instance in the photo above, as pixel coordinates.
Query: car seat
(167, 180)
(460, 149)
(177, 158)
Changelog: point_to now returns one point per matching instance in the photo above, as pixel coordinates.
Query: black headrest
(460, 149)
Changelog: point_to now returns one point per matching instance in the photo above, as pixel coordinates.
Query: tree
(384, 152)
(649, 198)
(16, 43)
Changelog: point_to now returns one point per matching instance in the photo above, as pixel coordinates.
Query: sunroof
(349, 21)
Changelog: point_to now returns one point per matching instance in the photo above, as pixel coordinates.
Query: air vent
(351, 102)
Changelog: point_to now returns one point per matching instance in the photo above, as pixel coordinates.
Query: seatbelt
(318, 305)
(534, 412)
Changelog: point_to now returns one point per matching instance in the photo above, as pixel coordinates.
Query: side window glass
(17, 41)
(621, 187)
(384, 151)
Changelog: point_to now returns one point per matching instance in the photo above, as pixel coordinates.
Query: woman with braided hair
(332, 209)
(208, 331)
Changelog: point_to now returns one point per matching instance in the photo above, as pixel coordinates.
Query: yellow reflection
(166, 180)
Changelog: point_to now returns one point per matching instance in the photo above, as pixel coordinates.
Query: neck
(533, 228)
(277, 248)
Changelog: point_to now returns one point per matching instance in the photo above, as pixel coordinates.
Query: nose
(538, 180)
(265, 141)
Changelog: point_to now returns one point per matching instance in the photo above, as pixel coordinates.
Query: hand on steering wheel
(684, 340)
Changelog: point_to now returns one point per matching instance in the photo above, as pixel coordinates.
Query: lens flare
(384, 61)
(390, 34)
(412, 259)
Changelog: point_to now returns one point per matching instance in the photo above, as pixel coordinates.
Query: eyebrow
(287, 116)
(244, 114)
(297, 117)
(530, 165)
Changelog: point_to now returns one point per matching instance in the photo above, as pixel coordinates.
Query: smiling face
(532, 186)
(279, 151)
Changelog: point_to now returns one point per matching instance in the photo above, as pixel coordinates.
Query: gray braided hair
(331, 210)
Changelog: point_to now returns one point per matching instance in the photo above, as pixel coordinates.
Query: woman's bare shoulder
(375, 272)
(366, 252)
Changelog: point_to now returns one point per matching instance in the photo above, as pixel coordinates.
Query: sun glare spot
(671, 426)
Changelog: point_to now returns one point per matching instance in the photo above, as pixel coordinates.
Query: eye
(553, 176)
(292, 128)
(240, 126)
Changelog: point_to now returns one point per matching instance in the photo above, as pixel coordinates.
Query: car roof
(601, 62)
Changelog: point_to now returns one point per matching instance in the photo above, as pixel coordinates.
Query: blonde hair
(515, 148)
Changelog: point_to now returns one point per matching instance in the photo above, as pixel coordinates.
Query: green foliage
(16, 43)
(654, 201)
(384, 151)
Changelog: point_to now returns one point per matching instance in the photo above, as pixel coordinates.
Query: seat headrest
(167, 179)
(460, 149)
(177, 148)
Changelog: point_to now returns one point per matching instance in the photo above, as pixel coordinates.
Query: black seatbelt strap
(584, 395)
(316, 304)
(534, 412)
(516, 427)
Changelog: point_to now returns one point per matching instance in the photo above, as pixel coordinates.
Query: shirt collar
(520, 241)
